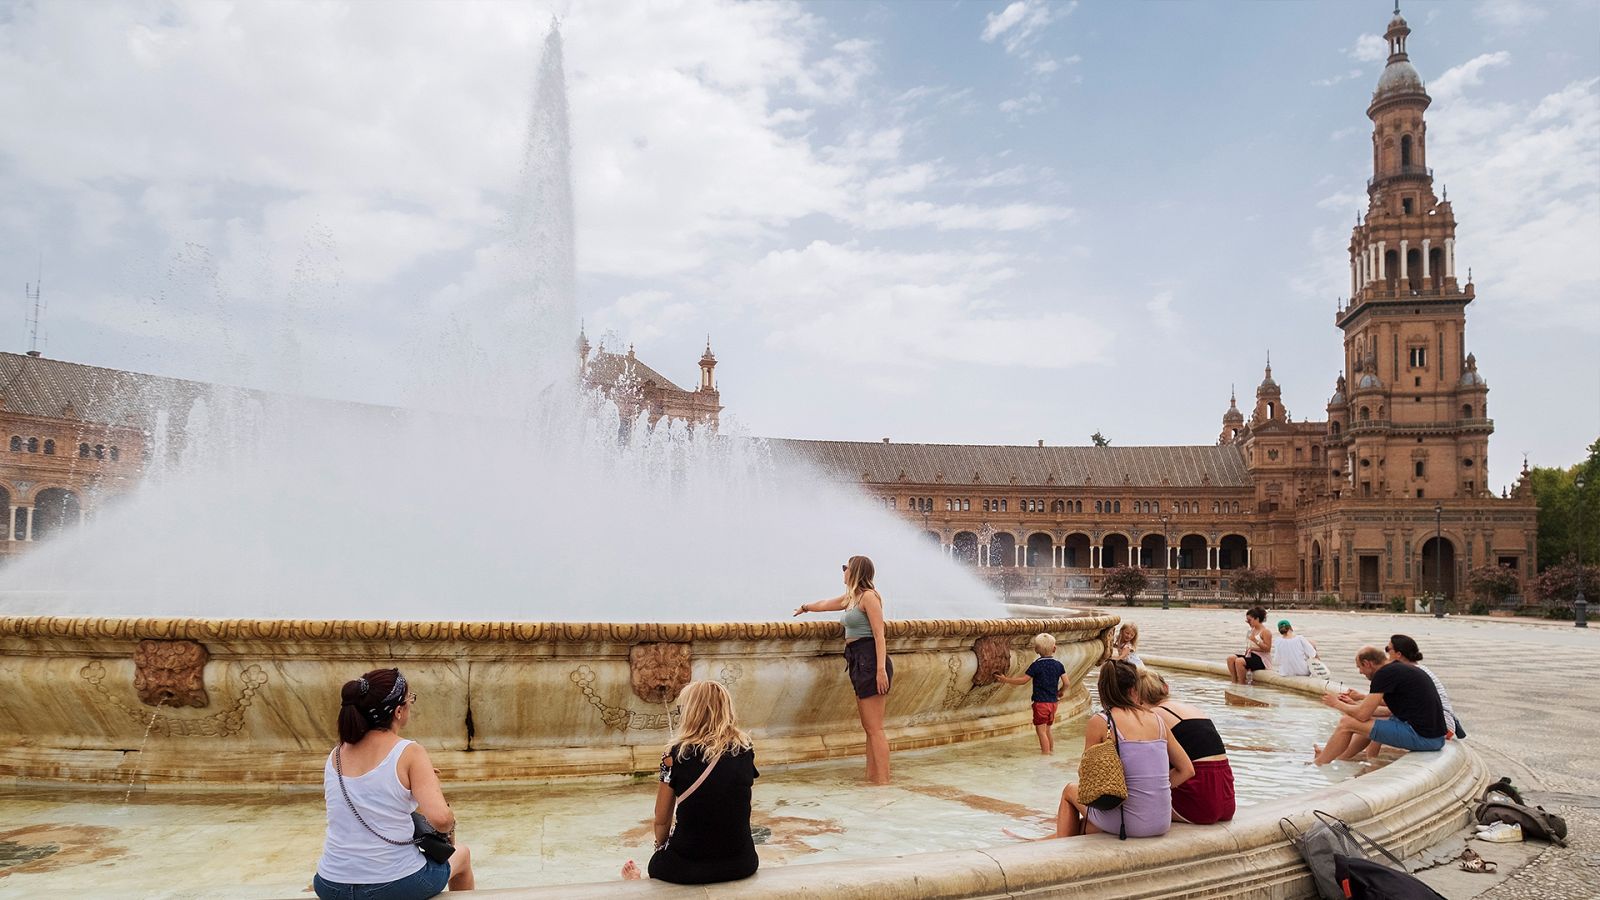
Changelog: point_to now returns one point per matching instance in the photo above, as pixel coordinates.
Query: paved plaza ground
(1525, 690)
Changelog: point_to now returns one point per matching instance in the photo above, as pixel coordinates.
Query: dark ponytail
(362, 704)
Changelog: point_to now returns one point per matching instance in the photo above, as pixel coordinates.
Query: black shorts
(1252, 661)
(861, 661)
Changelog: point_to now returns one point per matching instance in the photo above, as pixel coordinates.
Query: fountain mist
(528, 499)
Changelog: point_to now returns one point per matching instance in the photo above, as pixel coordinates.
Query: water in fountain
(502, 491)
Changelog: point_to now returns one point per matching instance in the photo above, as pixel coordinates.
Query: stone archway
(1041, 551)
(54, 509)
(1153, 552)
(1438, 567)
(964, 548)
(1075, 551)
(1193, 552)
(1003, 549)
(1114, 551)
(1233, 552)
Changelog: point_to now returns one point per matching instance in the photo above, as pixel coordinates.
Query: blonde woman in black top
(706, 780)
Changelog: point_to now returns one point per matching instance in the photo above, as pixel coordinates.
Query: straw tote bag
(1102, 783)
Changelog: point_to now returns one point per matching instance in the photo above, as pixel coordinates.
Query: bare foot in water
(630, 871)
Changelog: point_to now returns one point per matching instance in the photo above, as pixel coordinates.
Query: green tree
(1100, 440)
(1569, 517)
(1124, 582)
(1253, 583)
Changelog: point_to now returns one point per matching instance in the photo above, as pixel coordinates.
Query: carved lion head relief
(170, 673)
(658, 671)
(994, 658)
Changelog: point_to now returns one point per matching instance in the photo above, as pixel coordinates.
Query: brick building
(1389, 495)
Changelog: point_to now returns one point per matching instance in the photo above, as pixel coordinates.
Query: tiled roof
(606, 369)
(39, 386)
(1102, 467)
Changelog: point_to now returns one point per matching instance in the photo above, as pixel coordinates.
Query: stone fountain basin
(238, 702)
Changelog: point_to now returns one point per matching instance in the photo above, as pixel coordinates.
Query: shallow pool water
(162, 844)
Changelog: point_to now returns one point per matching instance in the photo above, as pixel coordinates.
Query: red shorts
(1044, 714)
(1207, 798)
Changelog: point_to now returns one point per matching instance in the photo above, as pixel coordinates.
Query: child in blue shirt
(1049, 679)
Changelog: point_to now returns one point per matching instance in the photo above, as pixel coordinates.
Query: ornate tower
(1411, 419)
(1232, 420)
(708, 365)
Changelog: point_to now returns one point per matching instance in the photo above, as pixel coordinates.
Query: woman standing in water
(866, 657)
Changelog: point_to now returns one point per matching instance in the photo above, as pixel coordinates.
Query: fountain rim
(469, 631)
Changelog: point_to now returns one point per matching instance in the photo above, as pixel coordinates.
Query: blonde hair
(1152, 687)
(1044, 643)
(858, 575)
(708, 722)
(1128, 636)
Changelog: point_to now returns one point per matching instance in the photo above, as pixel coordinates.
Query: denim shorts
(1392, 732)
(425, 882)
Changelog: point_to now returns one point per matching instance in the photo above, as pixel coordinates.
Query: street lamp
(1166, 547)
(1438, 561)
(1580, 606)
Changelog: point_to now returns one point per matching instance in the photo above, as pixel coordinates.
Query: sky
(950, 222)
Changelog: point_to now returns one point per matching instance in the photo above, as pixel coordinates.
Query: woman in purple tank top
(1151, 760)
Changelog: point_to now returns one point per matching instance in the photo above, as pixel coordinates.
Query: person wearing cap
(1292, 652)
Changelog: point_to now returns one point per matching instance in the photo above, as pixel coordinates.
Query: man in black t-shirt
(1415, 720)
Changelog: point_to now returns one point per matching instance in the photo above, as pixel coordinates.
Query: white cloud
(1509, 13)
(1457, 79)
(873, 308)
(1026, 105)
(1336, 79)
(1369, 48)
(1021, 22)
(1161, 312)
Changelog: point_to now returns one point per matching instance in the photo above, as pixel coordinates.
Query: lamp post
(1438, 560)
(1580, 606)
(1166, 548)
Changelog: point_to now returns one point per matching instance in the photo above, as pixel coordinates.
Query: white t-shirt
(1293, 655)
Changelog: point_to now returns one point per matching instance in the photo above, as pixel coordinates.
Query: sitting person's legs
(1392, 732)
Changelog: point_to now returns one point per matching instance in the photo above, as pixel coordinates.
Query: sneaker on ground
(1502, 833)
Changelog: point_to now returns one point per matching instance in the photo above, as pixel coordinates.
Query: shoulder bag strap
(699, 781)
(337, 770)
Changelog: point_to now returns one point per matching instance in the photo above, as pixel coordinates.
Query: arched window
(1365, 414)
(49, 447)
(1215, 507)
(1080, 506)
(99, 451)
(1118, 505)
(1333, 427)
(16, 444)
(1405, 150)
(1097, 506)
(83, 450)
(1466, 410)
(1272, 410)
(33, 445)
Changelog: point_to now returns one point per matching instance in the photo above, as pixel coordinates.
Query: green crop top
(856, 624)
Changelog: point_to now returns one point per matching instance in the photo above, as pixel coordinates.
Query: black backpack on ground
(1363, 879)
(1329, 839)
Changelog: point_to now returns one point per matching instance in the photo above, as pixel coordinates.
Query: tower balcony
(1404, 172)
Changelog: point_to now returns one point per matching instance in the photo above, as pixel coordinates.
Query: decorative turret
(708, 365)
(1232, 420)
(1269, 399)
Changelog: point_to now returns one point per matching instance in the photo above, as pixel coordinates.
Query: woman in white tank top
(371, 784)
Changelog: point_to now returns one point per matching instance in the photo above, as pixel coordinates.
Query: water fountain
(547, 571)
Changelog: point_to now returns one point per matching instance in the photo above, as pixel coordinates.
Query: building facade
(1388, 496)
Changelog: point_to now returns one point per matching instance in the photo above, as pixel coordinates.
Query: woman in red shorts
(1207, 798)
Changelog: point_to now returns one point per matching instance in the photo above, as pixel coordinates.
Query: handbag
(678, 804)
(431, 842)
(1102, 782)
